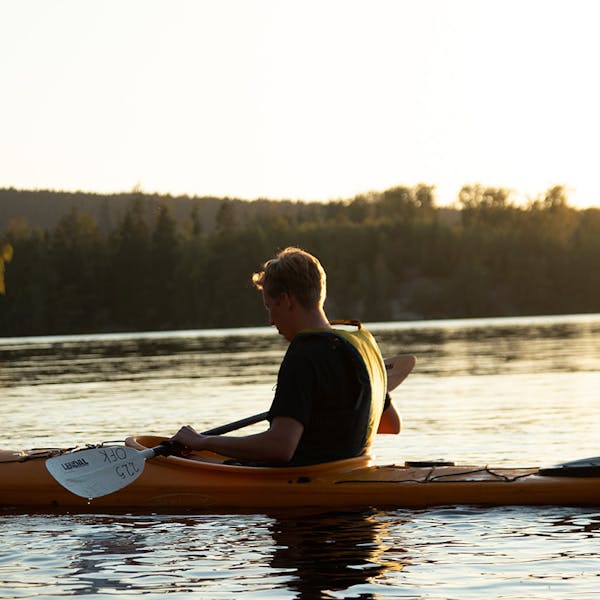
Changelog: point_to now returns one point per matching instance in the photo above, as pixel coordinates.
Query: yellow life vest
(366, 348)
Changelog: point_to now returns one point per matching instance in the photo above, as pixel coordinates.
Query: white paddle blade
(398, 368)
(98, 471)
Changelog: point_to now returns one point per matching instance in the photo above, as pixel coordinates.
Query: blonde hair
(296, 272)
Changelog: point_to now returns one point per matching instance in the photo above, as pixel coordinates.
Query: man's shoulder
(320, 348)
(315, 341)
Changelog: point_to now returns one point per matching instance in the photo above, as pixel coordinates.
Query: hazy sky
(300, 99)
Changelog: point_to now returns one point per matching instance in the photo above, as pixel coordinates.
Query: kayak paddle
(398, 368)
(102, 470)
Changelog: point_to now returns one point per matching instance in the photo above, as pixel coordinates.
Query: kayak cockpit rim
(213, 462)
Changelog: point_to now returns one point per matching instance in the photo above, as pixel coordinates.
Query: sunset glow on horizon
(300, 100)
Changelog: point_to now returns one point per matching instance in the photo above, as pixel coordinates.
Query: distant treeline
(90, 263)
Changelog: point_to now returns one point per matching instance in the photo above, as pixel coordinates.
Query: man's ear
(288, 300)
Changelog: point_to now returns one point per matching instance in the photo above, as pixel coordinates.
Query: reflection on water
(447, 552)
(165, 555)
(475, 348)
(333, 552)
(183, 355)
(499, 346)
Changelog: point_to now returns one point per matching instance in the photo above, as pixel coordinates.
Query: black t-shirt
(323, 384)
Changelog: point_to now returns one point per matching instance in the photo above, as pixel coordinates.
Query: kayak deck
(203, 481)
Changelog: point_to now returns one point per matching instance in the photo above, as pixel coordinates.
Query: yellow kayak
(206, 482)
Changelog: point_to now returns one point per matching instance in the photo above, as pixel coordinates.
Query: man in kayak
(331, 388)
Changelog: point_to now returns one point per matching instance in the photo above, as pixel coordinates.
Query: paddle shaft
(222, 429)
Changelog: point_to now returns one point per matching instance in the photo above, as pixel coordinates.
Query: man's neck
(312, 319)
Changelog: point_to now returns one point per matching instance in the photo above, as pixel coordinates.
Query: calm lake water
(520, 392)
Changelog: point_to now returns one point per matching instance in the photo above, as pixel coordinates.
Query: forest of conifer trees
(145, 263)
